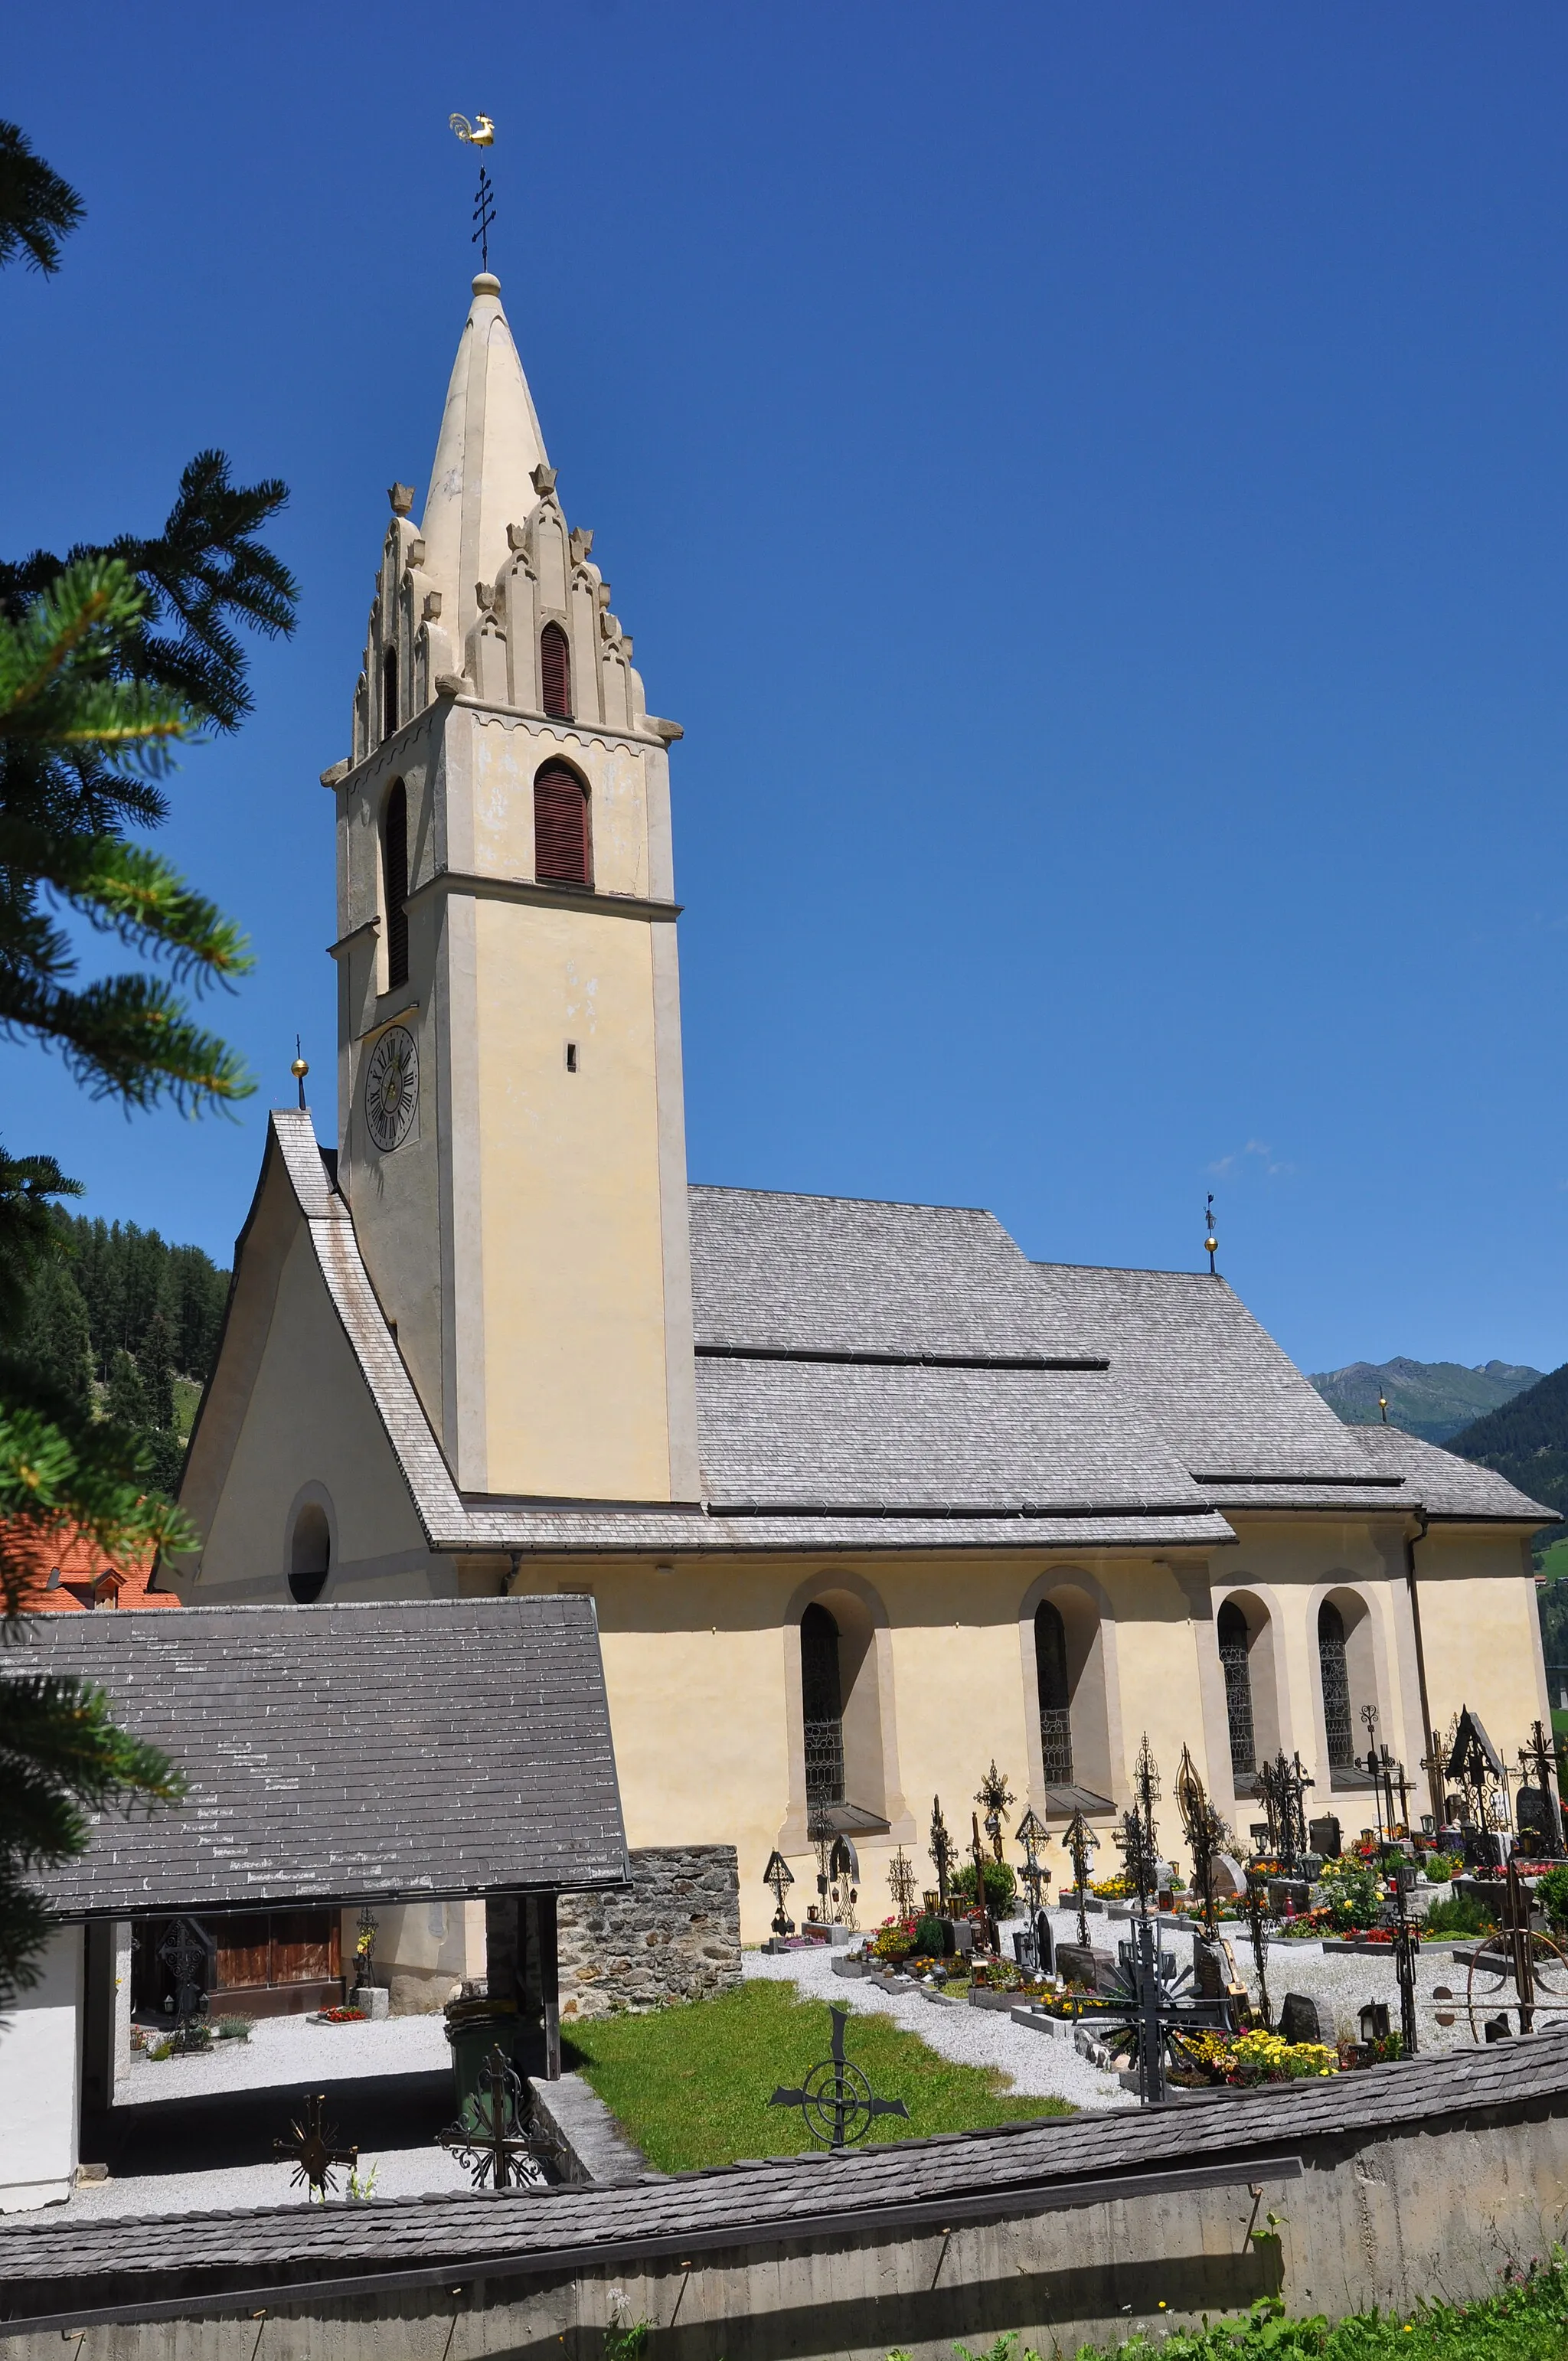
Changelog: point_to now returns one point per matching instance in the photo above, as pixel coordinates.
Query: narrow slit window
(1055, 1694)
(395, 865)
(390, 716)
(556, 672)
(562, 851)
(571, 1056)
(1233, 1639)
(822, 1709)
(1338, 1729)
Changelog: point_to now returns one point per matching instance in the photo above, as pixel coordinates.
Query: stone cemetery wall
(674, 1936)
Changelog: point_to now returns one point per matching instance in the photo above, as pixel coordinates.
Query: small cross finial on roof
(1210, 1242)
(401, 497)
(299, 1068)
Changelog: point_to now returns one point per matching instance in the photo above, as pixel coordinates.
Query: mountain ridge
(1432, 1400)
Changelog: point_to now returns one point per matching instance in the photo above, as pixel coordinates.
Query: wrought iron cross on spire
(480, 133)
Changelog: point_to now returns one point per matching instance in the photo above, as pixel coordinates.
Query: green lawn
(1553, 1561)
(691, 2084)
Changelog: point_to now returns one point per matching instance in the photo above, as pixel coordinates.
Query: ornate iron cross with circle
(836, 2098)
(491, 2138)
(313, 2145)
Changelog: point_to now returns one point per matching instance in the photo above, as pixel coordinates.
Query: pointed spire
(489, 447)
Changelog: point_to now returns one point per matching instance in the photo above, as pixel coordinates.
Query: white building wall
(40, 2073)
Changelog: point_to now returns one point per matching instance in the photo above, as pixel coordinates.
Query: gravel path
(290, 2049)
(399, 2172)
(1038, 2064)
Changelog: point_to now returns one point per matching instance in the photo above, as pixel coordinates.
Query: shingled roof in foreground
(419, 1749)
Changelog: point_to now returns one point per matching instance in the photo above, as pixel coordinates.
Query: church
(863, 1496)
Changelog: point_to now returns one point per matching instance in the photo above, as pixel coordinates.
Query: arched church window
(395, 872)
(1056, 1696)
(388, 692)
(821, 1708)
(561, 846)
(310, 1553)
(1234, 1640)
(556, 672)
(1335, 1675)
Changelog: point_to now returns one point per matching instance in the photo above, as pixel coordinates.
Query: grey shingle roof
(52, 2264)
(824, 1273)
(419, 1748)
(1229, 1403)
(777, 1433)
(1141, 1405)
(1447, 1486)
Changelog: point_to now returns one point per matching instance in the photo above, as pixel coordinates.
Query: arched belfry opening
(563, 850)
(556, 672)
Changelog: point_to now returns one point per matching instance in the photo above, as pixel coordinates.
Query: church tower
(510, 1131)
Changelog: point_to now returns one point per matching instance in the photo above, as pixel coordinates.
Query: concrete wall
(1433, 2209)
(39, 2081)
(676, 1936)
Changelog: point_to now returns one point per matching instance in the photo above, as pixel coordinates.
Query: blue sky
(1093, 485)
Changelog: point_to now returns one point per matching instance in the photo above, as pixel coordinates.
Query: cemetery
(1068, 2097)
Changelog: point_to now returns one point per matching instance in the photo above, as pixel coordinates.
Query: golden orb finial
(300, 1069)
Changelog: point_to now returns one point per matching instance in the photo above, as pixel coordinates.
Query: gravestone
(1043, 1943)
(1230, 1877)
(1288, 1892)
(1299, 2019)
(1080, 1963)
(1324, 1837)
(1208, 1970)
(1535, 1819)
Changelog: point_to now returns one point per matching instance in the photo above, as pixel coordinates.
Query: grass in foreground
(1526, 2321)
(691, 2083)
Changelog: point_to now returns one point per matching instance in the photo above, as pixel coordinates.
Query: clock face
(391, 1088)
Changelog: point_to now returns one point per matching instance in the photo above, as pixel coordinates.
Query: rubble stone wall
(674, 1935)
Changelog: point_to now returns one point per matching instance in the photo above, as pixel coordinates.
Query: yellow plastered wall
(573, 1251)
(701, 1666)
(309, 1418)
(1481, 1634)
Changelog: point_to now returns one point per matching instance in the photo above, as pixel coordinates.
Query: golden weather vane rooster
(480, 133)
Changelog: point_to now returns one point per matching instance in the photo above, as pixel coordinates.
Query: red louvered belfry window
(561, 847)
(395, 866)
(556, 672)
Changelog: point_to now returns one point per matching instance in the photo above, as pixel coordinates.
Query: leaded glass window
(1055, 1697)
(1233, 1635)
(1335, 1672)
(822, 1709)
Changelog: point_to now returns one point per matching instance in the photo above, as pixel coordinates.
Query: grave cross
(1205, 1832)
(1082, 1843)
(1032, 1834)
(184, 1954)
(1397, 1787)
(1149, 2004)
(780, 1877)
(1256, 1918)
(941, 1850)
(313, 2146)
(901, 1883)
(836, 2100)
(996, 1796)
(489, 2137)
(1546, 1761)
